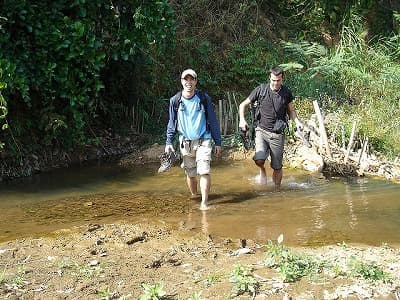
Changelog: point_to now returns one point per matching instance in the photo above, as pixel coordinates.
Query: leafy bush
(60, 56)
(291, 265)
(152, 292)
(243, 280)
(362, 78)
(368, 271)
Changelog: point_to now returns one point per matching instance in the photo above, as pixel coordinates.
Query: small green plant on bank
(338, 271)
(291, 265)
(19, 280)
(3, 276)
(88, 271)
(212, 279)
(195, 296)
(243, 280)
(105, 295)
(369, 271)
(152, 292)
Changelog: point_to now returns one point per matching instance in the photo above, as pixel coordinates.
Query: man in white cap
(192, 116)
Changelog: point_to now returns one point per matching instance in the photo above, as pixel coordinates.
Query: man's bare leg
(205, 183)
(277, 178)
(192, 185)
(263, 173)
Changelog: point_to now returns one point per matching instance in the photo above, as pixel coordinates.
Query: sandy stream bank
(112, 261)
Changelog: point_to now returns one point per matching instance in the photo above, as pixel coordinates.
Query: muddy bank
(134, 150)
(109, 147)
(113, 261)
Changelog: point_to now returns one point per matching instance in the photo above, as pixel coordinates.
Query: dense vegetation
(69, 68)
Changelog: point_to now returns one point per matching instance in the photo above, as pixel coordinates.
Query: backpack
(178, 100)
(203, 101)
(255, 114)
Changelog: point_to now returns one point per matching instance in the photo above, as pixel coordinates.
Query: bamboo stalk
(343, 139)
(322, 129)
(353, 130)
(332, 139)
(220, 114)
(133, 116)
(364, 147)
(230, 109)
(138, 121)
(226, 119)
(142, 124)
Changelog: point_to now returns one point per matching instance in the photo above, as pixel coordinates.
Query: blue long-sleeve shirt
(211, 119)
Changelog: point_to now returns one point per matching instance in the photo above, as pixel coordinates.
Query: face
(276, 82)
(189, 83)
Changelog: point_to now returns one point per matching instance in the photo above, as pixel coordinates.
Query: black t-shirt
(273, 105)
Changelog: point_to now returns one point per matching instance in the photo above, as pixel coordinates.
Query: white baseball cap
(189, 72)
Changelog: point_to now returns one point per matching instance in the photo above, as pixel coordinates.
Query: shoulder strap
(202, 96)
(203, 100)
(264, 91)
(255, 114)
(177, 100)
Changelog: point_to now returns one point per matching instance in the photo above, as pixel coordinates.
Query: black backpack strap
(203, 101)
(177, 100)
(201, 95)
(255, 107)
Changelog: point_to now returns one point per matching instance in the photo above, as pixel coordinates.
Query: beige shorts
(269, 144)
(196, 156)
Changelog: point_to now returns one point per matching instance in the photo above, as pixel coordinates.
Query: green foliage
(3, 114)
(291, 265)
(66, 66)
(3, 276)
(152, 292)
(87, 271)
(58, 57)
(195, 296)
(362, 78)
(3, 104)
(19, 281)
(212, 279)
(369, 271)
(250, 64)
(243, 280)
(105, 294)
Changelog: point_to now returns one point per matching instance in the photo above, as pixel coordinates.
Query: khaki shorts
(196, 156)
(269, 144)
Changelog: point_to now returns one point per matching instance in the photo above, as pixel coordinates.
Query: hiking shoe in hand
(167, 159)
(246, 139)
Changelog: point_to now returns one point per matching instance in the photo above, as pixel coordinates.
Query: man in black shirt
(272, 103)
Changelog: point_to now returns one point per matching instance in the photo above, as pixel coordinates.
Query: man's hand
(243, 125)
(169, 148)
(299, 124)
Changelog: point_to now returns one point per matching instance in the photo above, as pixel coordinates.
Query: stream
(309, 210)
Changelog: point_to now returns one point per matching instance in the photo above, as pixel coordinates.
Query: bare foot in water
(204, 207)
(194, 196)
(261, 179)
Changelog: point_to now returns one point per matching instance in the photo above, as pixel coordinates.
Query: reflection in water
(204, 222)
(349, 202)
(309, 210)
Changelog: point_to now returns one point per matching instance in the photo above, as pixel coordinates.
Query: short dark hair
(276, 71)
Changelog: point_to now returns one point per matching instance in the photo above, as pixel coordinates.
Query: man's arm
(242, 119)
(171, 127)
(293, 116)
(213, 122)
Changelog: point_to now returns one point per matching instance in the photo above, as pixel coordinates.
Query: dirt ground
(118, 260)
(113, 261)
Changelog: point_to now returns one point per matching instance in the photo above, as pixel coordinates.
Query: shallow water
(309, 209)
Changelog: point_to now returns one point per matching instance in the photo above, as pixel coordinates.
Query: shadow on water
(309, 209)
